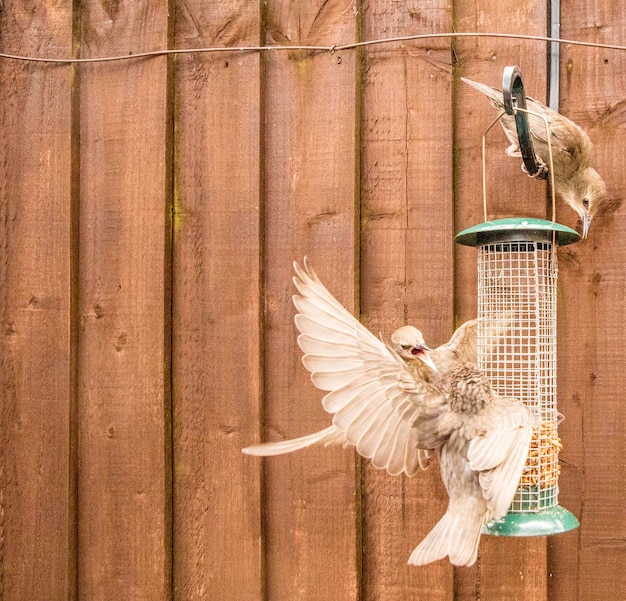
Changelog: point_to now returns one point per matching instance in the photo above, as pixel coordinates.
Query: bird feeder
(517, 285)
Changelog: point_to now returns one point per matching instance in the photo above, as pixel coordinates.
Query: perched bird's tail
(454, 535)
(327, 436)
(494, 95)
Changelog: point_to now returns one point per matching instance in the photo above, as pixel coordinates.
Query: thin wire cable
(330, 49)
(484, 163)
(550, 158)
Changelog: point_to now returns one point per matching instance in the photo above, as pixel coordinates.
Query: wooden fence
(150, 212)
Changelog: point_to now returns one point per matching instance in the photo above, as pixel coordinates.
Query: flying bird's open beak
(586, 223)
(424, 355)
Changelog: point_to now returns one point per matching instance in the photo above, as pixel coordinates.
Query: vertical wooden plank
(407, 261)
(506, 569)
(123, 359)
(217, 336)
(509, 191)
(36, 502)
(589, 564)
(311, 496)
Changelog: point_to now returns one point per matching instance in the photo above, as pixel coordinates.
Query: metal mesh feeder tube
(517, 286)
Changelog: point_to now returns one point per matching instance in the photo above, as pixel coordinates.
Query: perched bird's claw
(542, 173)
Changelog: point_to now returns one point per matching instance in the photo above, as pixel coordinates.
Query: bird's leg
(513, 150)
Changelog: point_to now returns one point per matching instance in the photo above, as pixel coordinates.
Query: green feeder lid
(552, 520)
(517, 229)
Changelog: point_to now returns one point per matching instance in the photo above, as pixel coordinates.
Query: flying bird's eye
(586, 203)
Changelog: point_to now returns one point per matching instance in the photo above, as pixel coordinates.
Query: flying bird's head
(585, 192)
(409, 343)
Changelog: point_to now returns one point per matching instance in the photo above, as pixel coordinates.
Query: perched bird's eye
(406, 347)
(586, 203)
(415, 351)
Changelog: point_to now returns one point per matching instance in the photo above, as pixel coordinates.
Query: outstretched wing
(463, 345)
(326, 437)
(375, 400)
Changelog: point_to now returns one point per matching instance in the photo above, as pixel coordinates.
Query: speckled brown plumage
(470, 391)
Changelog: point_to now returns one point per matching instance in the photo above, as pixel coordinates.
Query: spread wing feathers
(392, 455)
(492, 331)
(463, 345)
(327, 436)
(499, 456)
(373, 396)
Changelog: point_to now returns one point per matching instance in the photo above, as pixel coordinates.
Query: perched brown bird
(575, 180)
(399, 403)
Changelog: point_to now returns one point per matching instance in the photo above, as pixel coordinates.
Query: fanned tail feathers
(455, 536)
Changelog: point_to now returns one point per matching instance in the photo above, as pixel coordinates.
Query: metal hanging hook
(514, 99)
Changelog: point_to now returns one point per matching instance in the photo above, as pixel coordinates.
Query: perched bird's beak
(423, 354)
(586, 222)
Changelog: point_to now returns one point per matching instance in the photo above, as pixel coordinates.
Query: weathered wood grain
(510, 192)
(312, 497)
(217, 336)
(37, 552)
(588, 565)
(123, 344)
(149, 214)
(407, 262)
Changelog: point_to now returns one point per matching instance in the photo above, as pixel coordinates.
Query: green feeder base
(552, 520)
